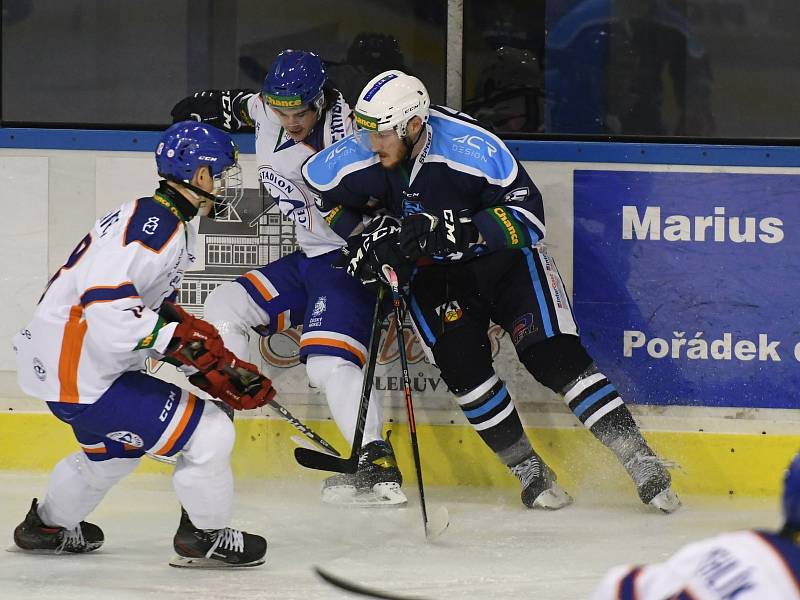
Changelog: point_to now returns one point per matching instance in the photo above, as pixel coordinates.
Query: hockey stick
(442, 520)
(325, 462)
(360, 590)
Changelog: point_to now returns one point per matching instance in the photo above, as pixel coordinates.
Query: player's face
(389, 147)
(297, 122)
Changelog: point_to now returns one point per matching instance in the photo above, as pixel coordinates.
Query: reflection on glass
(626, 67)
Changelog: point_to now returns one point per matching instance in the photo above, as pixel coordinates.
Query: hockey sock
(597, 404)
(77, 485)
(342, 380)
(491, 412)
(203, 479)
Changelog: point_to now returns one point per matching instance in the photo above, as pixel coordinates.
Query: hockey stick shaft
(325, 462)
(301, 427)
(412, 426)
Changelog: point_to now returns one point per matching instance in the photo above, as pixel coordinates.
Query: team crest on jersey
(450, 311)
(39, 370)
(319, 306)
(290, 198)
(126, 437)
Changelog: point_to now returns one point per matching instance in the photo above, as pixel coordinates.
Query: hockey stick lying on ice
(435, 527)
(354, 588)
(312, 459)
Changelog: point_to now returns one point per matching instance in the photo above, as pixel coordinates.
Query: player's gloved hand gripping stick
(239, 383)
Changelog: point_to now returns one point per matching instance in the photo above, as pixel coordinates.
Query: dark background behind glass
(126, 62)
(700, 68)
(724, 69)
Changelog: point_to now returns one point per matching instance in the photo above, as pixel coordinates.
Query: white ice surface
(494, 547)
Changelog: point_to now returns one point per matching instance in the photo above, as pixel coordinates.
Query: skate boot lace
(71, 538)
(528, 470)
(227, 539)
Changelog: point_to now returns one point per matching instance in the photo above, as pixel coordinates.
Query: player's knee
(465, 360)
(220, 307)
(556, 361)
(321, 369)
(213, 438)
(103, 474)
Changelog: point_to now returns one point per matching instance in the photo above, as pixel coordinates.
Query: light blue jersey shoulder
(327, 168)
(469, 148)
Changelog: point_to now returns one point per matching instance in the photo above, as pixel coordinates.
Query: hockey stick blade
(321, 461)
(360, 590)
(438, 521)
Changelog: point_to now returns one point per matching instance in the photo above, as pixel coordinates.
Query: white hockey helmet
(389, 101)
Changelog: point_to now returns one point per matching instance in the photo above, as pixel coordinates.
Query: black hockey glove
(442, 234)
(226, 109)
(366, 253)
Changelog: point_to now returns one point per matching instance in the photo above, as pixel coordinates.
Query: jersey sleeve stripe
(330, 339)
(109, 293)
(68, 361)
(530, 220)
(627, 585)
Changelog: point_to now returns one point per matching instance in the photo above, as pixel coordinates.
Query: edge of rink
(717, 464)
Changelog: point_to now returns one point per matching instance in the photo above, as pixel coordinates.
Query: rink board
(72, 177)
(710, 463)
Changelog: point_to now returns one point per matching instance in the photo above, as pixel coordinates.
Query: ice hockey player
(296, 114)
(474, 221)
(103, 313)
(740, 565)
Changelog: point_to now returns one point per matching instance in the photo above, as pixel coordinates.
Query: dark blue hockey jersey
(462, 167)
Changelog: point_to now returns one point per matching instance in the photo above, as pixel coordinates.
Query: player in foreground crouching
(474, 219)
(103, 313)
(297, 113)
(741, 565)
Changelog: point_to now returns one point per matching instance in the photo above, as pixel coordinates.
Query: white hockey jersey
(279, 161)
(97, 318)
(742, 565)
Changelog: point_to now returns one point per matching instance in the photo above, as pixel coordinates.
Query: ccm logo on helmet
(208, 158)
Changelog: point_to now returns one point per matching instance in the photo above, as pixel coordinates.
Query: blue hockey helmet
(294, 80)
(791, 494)
(188, 146)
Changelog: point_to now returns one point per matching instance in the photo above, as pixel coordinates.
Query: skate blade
(185, 562)
(666, 501)
(553, 498)
(438, 521)
(382, 494)
(15, 548)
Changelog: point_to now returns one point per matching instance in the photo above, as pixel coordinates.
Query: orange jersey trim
(187, 414)
(71, 345)
(336, 344)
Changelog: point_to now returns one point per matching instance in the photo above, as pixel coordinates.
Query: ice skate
(216, 548)
(34, 536)
(376, 482)
(539, 486)
(652, 480)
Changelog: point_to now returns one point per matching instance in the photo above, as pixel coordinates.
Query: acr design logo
(477, 142)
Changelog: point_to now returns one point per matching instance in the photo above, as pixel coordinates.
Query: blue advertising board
(686, 285)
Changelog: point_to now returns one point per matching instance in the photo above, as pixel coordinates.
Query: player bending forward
(474, 220)
(103, 313)
(741, 565)
(297, 114)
